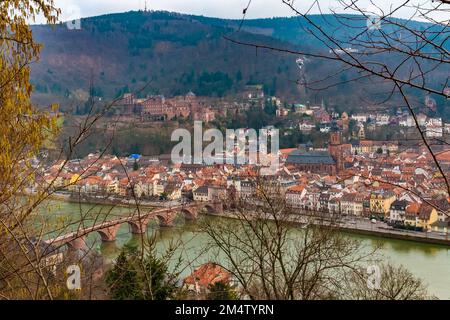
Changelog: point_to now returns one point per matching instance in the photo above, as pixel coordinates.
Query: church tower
(335, 149)
(335, 138)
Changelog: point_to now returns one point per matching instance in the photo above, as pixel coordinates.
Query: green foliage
(123, 280)
(139, 42)
(160, 287)
(127, 140)
(270, 108)
(221, 291)
(175, 53)
(163, 196)
(213, 84)
(256, 118)
(140, 277)
(384, 133)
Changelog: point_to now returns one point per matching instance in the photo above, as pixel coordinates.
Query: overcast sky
(73, 9)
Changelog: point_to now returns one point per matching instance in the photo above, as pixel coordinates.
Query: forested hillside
(175, 53)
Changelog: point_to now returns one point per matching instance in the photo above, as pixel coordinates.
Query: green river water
(427, 261)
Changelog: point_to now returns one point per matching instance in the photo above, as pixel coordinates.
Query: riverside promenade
(361, 226)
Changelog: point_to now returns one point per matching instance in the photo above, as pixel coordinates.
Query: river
(429, 262)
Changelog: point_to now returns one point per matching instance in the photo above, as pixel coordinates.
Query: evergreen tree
(160, 283)
(123, 280)
(270, 108)
(135, 277)
(221, 291)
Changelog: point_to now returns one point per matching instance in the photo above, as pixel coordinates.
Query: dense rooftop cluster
(405, 187)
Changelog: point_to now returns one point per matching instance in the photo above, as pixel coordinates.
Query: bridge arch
(109, 234)
(139, 227)
(189, 213)
(163, 220)
(76, 244)
(209, 208)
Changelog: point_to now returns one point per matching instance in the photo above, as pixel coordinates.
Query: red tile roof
(209, 273)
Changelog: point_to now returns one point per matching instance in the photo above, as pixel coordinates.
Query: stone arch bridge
(138, 224)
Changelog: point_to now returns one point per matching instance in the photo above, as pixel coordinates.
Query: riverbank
(354, 225)
(365, 227)
(427, 261)
(109, 202)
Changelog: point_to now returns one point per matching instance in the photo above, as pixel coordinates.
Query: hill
(175, 53)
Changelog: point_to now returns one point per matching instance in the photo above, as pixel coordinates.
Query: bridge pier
(138, 227)
(215, 207)
(218, 207)
(167, 219)
(109, 234)
(77, 244)
(189, 213)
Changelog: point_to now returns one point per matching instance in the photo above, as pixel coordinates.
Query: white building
(436, 122)
(352, 204)
(422, 119)
(360, 117)
(446, 127)
(397, 211)
(382, 119)
(407, 121)
(434, 131)
(306, 126)
(201, 194)
(295, 195)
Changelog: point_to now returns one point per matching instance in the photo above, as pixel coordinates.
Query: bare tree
(271, 260)
(370, 45)
(395, 283)
(27, 262)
